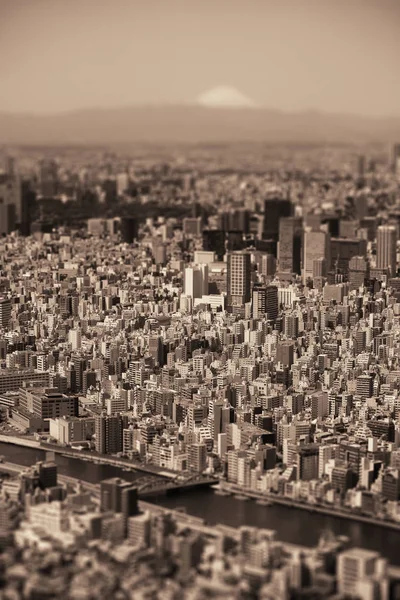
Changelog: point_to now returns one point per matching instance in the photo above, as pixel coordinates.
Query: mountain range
(194, 124)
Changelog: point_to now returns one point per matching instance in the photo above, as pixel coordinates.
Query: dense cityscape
(197, 318)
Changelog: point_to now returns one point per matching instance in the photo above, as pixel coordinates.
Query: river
(292, 525)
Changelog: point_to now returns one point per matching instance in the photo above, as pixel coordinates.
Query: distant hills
(194, 124)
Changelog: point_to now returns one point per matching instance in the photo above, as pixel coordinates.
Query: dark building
(274, 210)
(265, 302)
(47, 474)
(109, 430)
(333, 224)
(89, 380)
(128, 229)
(28, 199)
(290, 244)
(110, 190)
(343, 250)
(267, 246)
(235, 241)
(214, 241)
(156, 348)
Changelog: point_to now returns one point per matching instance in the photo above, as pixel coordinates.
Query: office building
(358, 272)
(196, 281)
(198, 457)
(48, 403)
(238, 278)
(267, 265)
(28, 199)
(75, 338)
(265, 302)
(214, 241)
(342, 250)
(274, 210)
(128, 229)
(5, 312)
(307, 462)
(47, 474)
(316, 246)
(365, 385)
(386, 242)
(109, 433)
(10, 204)
(290, 245)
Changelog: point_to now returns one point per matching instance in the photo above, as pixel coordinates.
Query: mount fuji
(224, 96)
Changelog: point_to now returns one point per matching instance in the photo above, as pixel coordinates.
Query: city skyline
(289, 56)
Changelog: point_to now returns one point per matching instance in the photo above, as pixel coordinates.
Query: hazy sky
(332, 55)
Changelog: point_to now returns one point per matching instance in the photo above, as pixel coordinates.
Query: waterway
(292, 525)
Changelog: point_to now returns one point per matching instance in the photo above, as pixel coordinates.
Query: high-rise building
(274, 210)
(316, 245)
(5, 312)
(290, 242)
(75, 338)
(358, 272)
(285, 353)
(128, 229)
(238, 278)
(196, 281)
(28, 198)
(108, 433)
(364, 385)
(307, 462)
(386, 241)
(156, 348)
(10, 203)
(342, 250)
(198, 457)
(267, 265)
(265, 302)
(214, 241)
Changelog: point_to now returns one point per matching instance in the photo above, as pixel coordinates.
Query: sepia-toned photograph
(199, 299)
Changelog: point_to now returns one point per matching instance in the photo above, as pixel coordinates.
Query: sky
(339, 56)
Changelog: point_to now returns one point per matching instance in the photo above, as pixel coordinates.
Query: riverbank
(168, 481)
(292, 526)
(342, 513)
